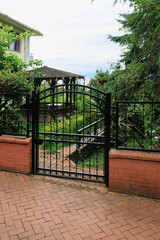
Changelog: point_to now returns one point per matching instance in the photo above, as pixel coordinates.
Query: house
(22, 47)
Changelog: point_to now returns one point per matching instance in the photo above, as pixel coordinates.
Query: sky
(74, 32)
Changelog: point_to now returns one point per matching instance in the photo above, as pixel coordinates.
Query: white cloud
(75, 32)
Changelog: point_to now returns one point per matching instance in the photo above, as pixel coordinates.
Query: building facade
(22, 47)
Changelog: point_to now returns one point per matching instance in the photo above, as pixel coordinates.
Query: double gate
(71, 132)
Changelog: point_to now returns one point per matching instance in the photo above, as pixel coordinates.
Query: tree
(10, 63)
(141, 44)
(14, 80)
(137, 75)
(138, 71)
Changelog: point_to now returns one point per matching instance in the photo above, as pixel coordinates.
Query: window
(15, 46)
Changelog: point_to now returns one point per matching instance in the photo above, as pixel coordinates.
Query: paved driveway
(37, 207)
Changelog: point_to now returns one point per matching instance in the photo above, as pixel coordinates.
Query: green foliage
(9, 60)
(66, 125)
(137, 75)
(69, 124)
(89, 157)
(13, 80)
(139, 68)
(10, 116)
(141, 43)
(139, 125)
(104, 81)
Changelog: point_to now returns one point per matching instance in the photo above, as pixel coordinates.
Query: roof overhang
(6, 20)
(52, 73)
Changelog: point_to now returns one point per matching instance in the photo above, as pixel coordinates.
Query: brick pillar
(136, 173)
(16, 154)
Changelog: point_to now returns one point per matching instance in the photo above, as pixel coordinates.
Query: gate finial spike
(152, 95)
(143, 94)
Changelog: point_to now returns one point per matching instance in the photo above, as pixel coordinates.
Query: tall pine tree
(141, 44)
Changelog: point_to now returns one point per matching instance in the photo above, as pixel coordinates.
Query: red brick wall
(135, 173)
(16, 154)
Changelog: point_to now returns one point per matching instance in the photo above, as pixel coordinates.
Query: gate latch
(39, 141)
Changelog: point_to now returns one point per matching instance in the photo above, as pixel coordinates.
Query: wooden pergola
(52, 76)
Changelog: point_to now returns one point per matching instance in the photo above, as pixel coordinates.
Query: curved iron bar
(76, 85)
(84, 93)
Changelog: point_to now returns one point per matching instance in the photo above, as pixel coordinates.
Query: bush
(15, 82)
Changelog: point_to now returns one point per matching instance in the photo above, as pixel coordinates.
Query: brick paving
(38, 207)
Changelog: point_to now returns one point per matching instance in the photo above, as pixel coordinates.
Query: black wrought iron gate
(71, 132)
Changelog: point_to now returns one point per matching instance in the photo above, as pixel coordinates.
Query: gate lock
(39, 141)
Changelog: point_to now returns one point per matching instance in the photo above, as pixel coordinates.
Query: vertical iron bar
(134, 123)
(50, 111)
(143, 127)
(53, 89)
(76, 109)
(71, 94)
(63, 115)
(96, 133)
(44, 125)
(74, 96)
(117, 117)
(90, 133)
(126, 114)
(83, 149)
(66, 94)
(56, 121)
(69, 130)
(30, 115)
(33, 133)
(107, 137)
(37, 128)
(27, 105)
(151, 124)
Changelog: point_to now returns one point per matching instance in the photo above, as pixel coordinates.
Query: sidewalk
(38, 207)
